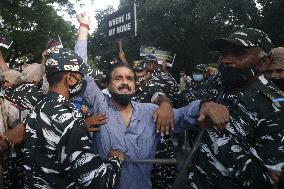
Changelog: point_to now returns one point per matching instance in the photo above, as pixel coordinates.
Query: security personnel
(144, 88)
(275, 71)
(57, 148)
(205, 90)
(248, 152)
(155, 82)
(199, 73)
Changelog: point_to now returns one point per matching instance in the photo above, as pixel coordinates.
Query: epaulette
(75, 112)
(278, 103)
(258, 97)
(274, 94)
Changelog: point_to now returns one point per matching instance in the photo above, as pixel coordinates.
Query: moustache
(124, 86)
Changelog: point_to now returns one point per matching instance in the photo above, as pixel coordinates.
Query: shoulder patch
(77, 114)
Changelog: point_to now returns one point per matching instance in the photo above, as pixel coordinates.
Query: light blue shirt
(139, 140)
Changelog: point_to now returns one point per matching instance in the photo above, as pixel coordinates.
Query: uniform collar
(55, 96)
(156, 72)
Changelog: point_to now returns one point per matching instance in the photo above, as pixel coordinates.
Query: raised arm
(81, 43)
(92, 94)
(3, 65)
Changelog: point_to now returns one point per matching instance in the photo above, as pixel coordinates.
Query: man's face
(141, 73)
(122, 81)
(239, 57)
(8, 84)
(73, 78)
(275, 70)
(237, 66)
(142, 76)
(151, 66)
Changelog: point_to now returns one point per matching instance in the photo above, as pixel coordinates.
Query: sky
(89, 6)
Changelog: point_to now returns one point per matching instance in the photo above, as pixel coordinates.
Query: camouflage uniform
(25, 96)
(162, 175)
(206, 90)
(240, 156)
(252, 143)
(58, 151)
(159, 82)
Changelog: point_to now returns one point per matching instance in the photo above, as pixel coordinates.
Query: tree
(30, 23)
(272, 20)
(181, 26)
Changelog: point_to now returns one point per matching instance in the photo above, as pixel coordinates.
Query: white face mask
(197, 77)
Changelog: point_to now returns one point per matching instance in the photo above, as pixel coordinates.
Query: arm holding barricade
(3, 65)
(201, 113)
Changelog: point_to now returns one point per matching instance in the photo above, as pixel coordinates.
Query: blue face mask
(197, 77)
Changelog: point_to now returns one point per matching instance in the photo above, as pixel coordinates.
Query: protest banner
(122, 23)
(144, 50)
(162, 56)
(6, 43)
(165, 56)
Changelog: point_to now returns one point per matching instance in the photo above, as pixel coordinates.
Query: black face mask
(233, 78)
(279, 83)
(76, 89)
(122, 99)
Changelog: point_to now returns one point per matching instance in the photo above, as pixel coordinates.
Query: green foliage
(185, 27)
(272, 17)
(30, 23)
(182, 26)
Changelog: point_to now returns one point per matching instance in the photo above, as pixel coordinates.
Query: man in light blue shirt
(130, 127)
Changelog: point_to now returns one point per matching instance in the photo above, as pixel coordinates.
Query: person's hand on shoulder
(164, 118)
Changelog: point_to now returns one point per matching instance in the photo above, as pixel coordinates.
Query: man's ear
(108, 85)
(67, 79)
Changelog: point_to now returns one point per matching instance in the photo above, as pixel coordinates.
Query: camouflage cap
(246, 37)
(62, 60)
(200, 67)
(151, 58)
(139, 65)
(277, 54)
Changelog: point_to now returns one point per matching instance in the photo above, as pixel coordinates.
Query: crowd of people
(62, 128)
